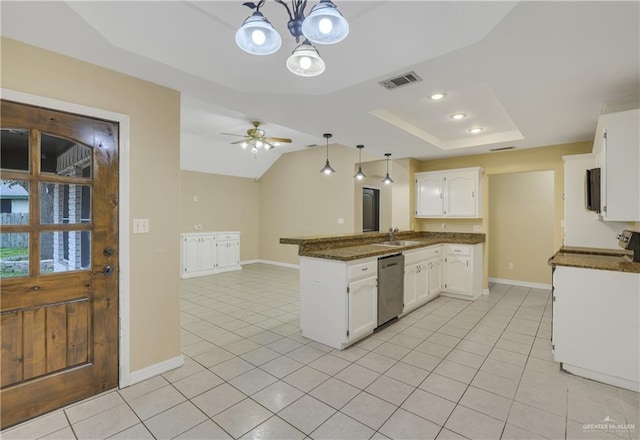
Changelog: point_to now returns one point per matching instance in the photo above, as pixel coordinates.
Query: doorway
(60, 261)
(370, 209)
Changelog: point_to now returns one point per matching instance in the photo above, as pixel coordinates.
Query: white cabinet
(209, 253)
(228, 247)
(617, 146)
(451, 193)
(435, 276)
(462, 271)
(198, 254)
(422, 276)
(338, 300)
(363, 307)
(596, 331)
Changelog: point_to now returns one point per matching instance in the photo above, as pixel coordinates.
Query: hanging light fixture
(360, 175)
(326, 169)
(305, 60)
(324, 25)
(387, 180)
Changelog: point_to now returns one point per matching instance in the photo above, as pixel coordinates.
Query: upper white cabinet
(208, 253)
(450, 193)
(617, 147)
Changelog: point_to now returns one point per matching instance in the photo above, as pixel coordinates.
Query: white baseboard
(273, 263)
(154, 370)
(520, 283)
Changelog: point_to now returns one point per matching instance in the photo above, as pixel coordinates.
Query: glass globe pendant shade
(305, 61)
(257, 36)
(325, 24)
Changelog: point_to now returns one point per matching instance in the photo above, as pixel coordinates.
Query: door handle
(107, 270)
(107, 252)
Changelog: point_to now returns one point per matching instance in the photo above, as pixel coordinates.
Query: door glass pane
(64, 158)
(64, 251)
(14, 149)
(14, 202)
(14, 255)
(65, 203)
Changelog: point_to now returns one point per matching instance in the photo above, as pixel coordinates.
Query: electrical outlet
(140, 225)
(510, 266)
(197, 227)
(477, 228)
(341, 221)
(443, 226)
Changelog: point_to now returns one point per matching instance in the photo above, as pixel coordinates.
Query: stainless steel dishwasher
(390, 287)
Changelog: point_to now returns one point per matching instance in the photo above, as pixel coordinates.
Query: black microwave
(592, 189)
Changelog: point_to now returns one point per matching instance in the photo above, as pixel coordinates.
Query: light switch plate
(140, 225)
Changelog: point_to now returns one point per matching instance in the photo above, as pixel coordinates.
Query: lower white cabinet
(422, 276)
(596, 331)
(462, 274)
(209, 253)
(338, 300)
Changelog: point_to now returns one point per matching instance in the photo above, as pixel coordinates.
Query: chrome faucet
(393, 234)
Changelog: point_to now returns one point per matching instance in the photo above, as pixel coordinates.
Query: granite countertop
(595, 258)
(350, 247)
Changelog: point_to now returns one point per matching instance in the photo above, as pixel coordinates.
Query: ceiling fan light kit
(324, 25)
(256, 139)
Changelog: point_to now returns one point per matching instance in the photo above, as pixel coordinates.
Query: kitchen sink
(397, 243)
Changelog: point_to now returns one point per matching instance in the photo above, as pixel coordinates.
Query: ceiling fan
(256, 139)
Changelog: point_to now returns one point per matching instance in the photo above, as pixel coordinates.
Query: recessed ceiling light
(458, 116)
(475, 130)
(437, 96)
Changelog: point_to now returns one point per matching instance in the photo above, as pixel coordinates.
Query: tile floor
(450, 370)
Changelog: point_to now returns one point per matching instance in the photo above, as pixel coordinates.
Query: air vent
(503, 148)
(399, 81)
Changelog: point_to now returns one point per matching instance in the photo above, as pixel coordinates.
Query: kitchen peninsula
(596, 331)
(339, 300)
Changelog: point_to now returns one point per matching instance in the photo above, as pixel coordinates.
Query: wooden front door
(58, 261)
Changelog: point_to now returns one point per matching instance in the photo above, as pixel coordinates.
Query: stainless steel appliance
(390, 287)
(629, 240)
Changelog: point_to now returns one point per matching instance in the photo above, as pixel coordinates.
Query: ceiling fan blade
(233, 134)
(281, 140)
(238, 142)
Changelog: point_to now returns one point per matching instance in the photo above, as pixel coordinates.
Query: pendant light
(305, 61)
(360, 175)
(387, 180)
(327, 168)
(325, 24)
(257, 36)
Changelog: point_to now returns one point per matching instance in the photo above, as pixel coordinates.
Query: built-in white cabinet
(362, 291)
(338, 300)
(209, 253)
(462, 271)
(451, 193)
(199, 256)
(596, 331)
(422, 276)
(617, 149)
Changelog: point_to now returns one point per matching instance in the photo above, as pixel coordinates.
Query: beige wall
(224, 203)
(521, 213)
(517, 161)
(297, 200)
(153, 188)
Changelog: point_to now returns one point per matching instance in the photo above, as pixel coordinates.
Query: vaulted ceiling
(529, 73)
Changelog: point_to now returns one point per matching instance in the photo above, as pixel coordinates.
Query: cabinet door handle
(467, 263)
(365, 268)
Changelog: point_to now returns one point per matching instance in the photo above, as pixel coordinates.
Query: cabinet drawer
(415, 257)
(363, 270)
(227, 236)
(458, 249)
(434, 251)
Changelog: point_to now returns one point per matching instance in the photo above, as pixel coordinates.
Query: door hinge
(347, 289)
(347, 333)
(553, 346)
(445, 285)
(605, 134)
(554, 298)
